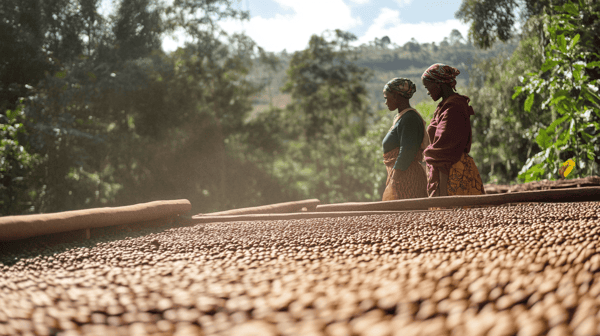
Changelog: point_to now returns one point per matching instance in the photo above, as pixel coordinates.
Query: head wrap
(403, 86)
(441, 73)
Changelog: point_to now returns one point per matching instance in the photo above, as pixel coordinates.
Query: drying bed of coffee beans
(589, 181)
(528, 269)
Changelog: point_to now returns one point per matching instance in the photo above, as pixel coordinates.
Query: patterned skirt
(411, 183)
(463, 179)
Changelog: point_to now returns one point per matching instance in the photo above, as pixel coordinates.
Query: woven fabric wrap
(411, 183)
(441, 73)
(463, 178)
(403, 86)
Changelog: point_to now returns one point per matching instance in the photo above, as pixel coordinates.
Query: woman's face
(433, 90)
(390, 101)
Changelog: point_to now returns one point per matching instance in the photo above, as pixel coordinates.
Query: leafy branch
(571, 93)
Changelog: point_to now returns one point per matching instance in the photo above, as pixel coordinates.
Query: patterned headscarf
(403, 86)
(441, 73)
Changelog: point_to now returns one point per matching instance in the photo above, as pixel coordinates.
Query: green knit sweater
(407, 134)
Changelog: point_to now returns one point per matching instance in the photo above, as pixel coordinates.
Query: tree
(17, 164)
(564, 85)
(412, 46)
(111, 119)
(556, 92)
(327, 115)
(36, 37)
(493, 20)
(199, 18)
(322, 81)
(502, 130)
(138, 28)
(445, 43)
(385, 41)
(490, 20)
(455, 37)
(91, 23)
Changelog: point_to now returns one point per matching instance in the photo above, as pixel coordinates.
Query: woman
(402, 146)
(450, 169)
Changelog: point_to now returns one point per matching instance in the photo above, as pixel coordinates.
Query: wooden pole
(296, 206)
(554, 195)
(25, 226)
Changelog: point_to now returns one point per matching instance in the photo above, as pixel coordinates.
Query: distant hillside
(386, 62)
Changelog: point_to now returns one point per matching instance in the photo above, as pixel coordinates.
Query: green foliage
(326, 143)
(502, 130)
(492, 20)
(366, 154)
(138, 28)
(17, 194)
(107, 118)
(567, 88)
(324, 150)
(116, 121)
(28, 37)
(501, 151)
(387, 61)
(427, 109)
(402, 62)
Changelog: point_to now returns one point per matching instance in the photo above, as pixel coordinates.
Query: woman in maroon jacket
(450, 169)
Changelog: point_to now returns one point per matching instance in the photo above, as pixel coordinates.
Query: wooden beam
(286, 207)
(554, 195)
(25, 226)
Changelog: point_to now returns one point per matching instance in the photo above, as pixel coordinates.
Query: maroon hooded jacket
(449, 136)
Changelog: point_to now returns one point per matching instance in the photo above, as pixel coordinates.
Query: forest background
(94, 113)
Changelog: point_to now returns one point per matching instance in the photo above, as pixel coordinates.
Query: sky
(288, 24)
(276, 25)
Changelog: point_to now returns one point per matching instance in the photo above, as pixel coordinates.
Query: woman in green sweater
(403, 144)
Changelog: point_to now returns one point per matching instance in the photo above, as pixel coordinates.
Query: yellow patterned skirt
(464, 179)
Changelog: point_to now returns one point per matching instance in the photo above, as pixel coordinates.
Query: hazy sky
(288, 24)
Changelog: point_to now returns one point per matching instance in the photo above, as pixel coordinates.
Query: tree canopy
(93, 112)
(546, 90)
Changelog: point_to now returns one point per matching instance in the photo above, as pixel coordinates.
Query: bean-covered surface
(588, 181)
(529, 269)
